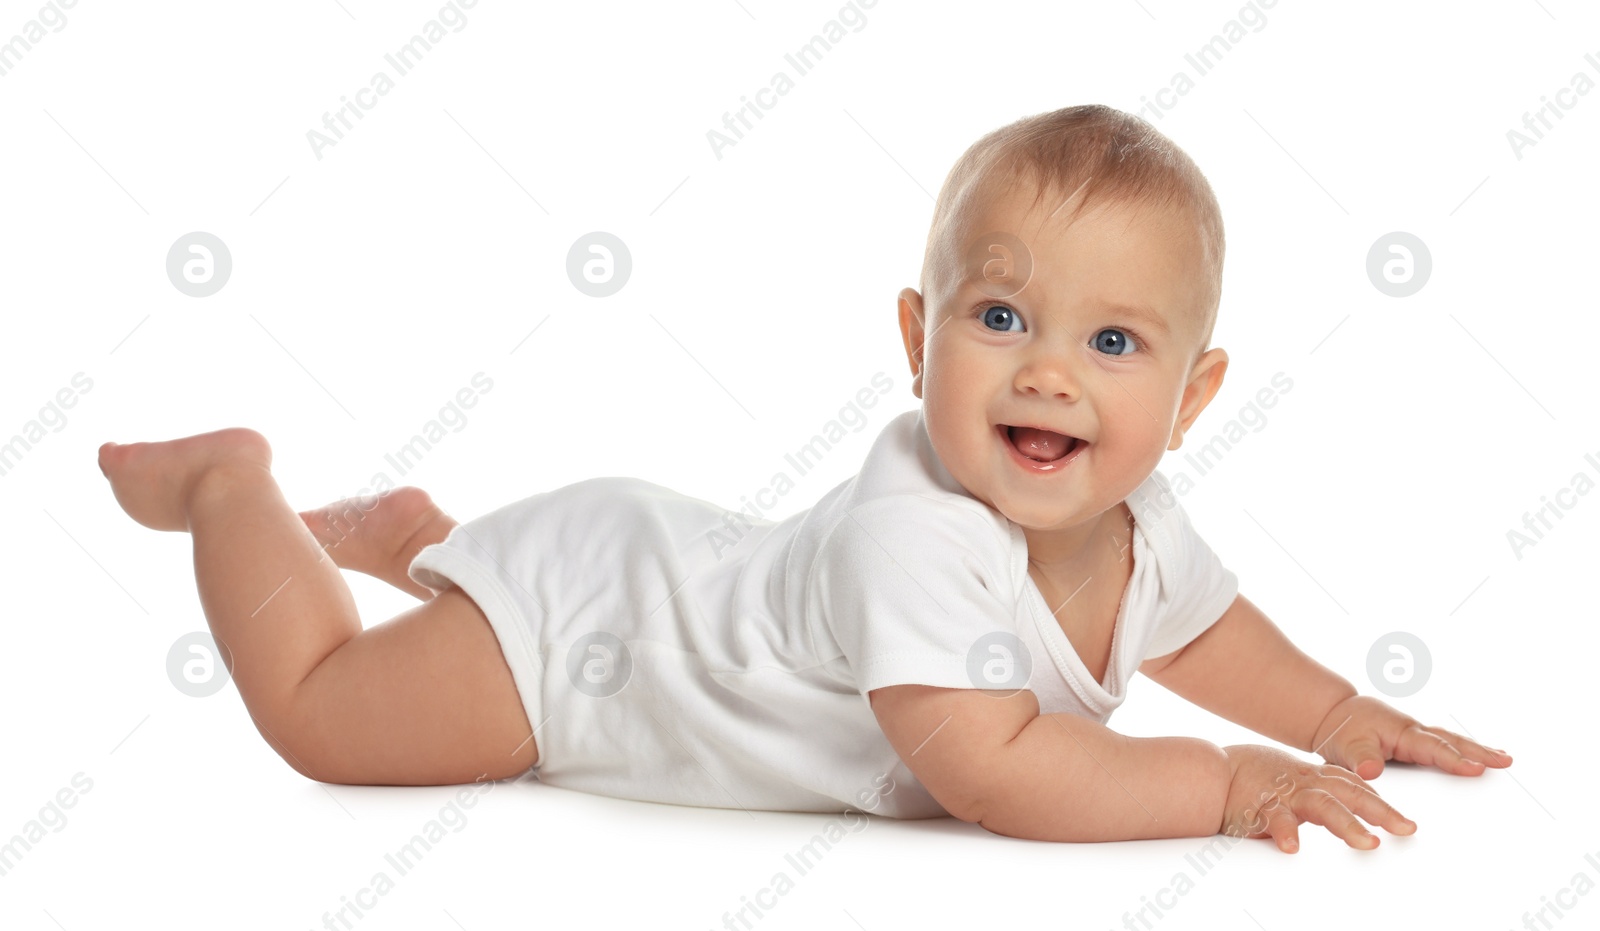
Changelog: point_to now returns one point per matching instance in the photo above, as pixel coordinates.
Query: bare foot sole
(380, 534)
(153, 481)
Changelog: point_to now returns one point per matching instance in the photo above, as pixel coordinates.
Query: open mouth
(1039, 446)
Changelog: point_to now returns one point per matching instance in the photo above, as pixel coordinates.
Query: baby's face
(1063, 348)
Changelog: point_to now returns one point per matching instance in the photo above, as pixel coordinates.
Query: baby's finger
(1282, 824)
(1321, 807)
(1372, 807)
(1429, 747)
(1364, 757)
(1473, 750)
(1335, 771)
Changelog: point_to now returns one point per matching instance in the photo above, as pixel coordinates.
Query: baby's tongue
(1040, 444)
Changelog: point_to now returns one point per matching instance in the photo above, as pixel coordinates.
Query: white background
(369, 285)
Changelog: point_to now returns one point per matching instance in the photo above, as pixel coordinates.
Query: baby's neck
(1075, 554)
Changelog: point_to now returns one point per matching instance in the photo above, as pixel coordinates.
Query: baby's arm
(990, 757)
(1244, 669)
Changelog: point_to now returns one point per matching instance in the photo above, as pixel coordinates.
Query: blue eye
(1006, 316)
(1113, 342)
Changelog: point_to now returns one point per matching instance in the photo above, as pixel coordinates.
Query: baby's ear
(1205, 379)
(912, 319)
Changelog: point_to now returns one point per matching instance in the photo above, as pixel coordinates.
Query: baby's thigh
(425, 698)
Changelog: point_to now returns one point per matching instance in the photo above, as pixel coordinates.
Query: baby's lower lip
(1034, 465)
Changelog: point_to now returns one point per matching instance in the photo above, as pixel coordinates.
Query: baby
(946, 632)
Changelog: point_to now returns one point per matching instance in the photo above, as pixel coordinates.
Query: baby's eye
(1003, 315)
(1113, 342)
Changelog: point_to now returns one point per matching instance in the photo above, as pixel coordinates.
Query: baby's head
(1071, 282)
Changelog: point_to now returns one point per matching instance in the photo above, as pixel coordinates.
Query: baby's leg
(379, 535)
(425, 698)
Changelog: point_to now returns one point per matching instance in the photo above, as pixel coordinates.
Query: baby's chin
(1044, 517)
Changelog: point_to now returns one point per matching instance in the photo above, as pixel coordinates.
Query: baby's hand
(1270, 792)
(1361, 732)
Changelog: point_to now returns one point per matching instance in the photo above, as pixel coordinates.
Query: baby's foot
(380, 534)
(153, 481)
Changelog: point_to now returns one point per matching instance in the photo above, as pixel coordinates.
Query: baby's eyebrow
(1141, 312)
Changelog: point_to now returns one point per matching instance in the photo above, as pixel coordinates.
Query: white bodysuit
(667, 653)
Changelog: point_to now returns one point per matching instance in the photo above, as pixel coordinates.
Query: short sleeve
(1196, 588)
(904, 588)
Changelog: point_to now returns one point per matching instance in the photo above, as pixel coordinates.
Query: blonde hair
(1104, 151)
